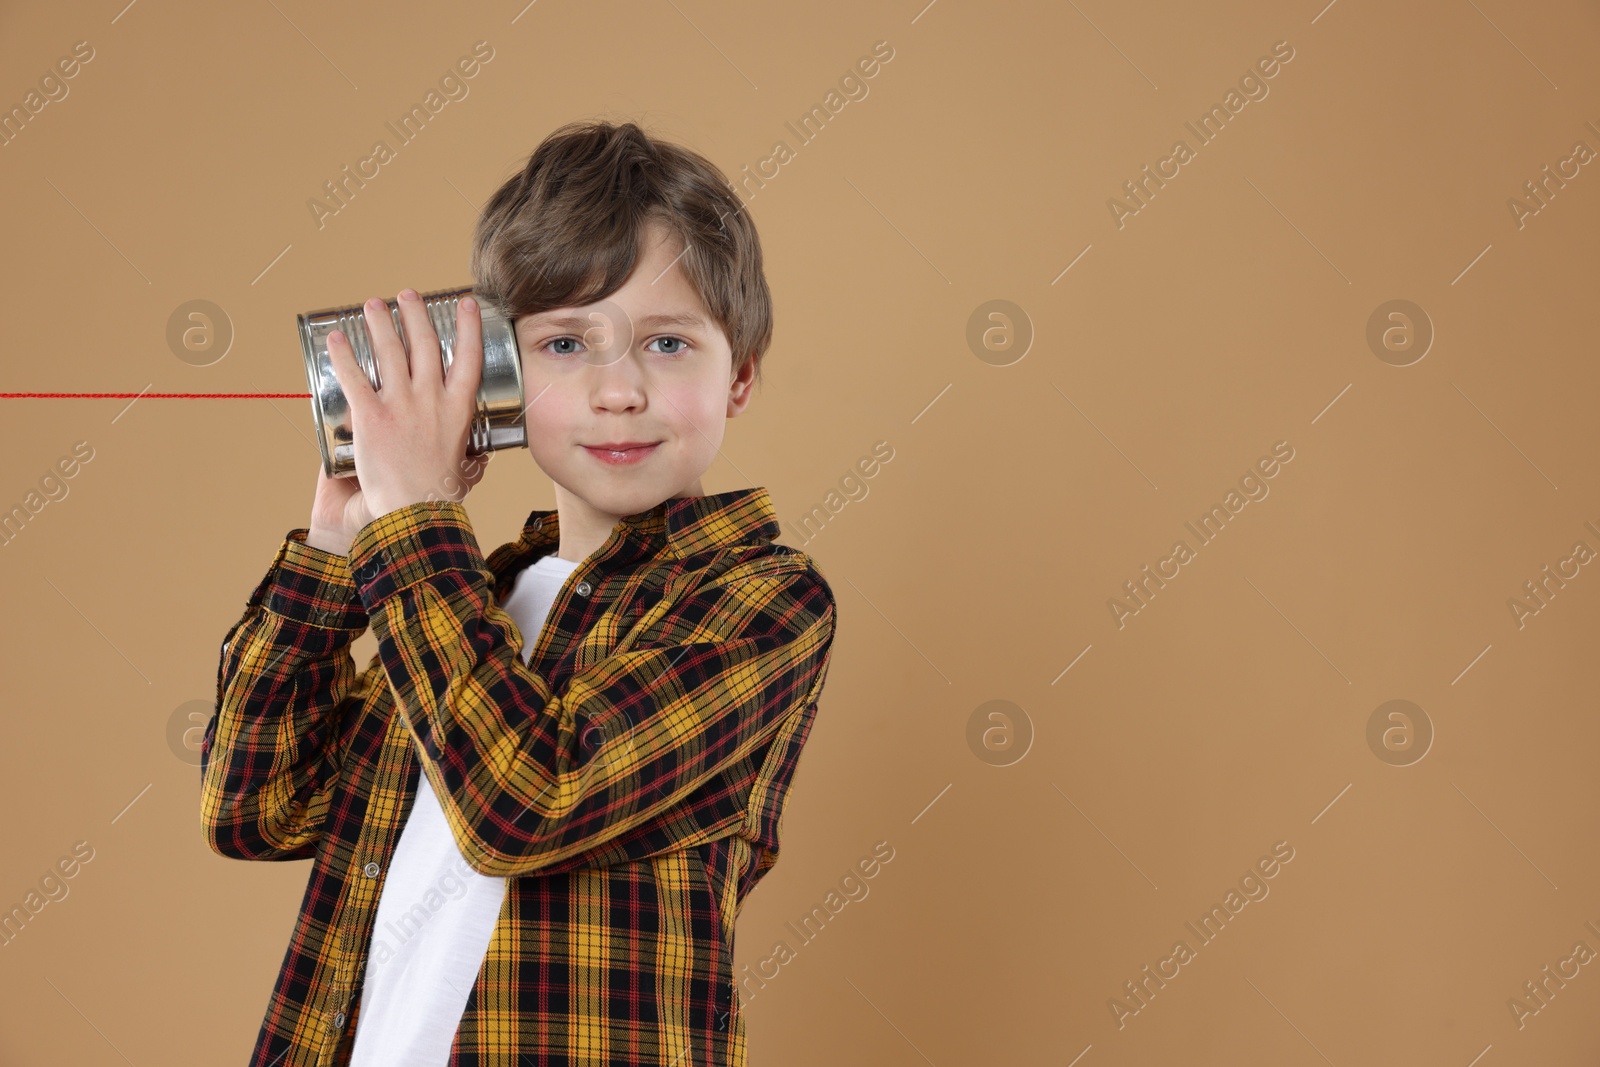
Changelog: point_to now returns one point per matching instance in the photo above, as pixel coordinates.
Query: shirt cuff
(311, 586)
(396, 551)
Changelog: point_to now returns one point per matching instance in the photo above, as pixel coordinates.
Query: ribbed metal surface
(498, 422)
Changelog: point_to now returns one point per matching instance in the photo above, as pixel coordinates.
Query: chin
(619, 500)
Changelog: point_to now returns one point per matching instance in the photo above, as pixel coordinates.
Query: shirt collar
(681, 525)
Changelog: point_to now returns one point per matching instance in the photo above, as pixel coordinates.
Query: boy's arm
(529, 777)
(285, 684)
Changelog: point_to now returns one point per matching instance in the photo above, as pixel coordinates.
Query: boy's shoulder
(733, 536)
(752, 562)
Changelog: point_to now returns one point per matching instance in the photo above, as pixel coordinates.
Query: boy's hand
(410, 438)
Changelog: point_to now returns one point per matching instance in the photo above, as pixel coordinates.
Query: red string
(181, 396)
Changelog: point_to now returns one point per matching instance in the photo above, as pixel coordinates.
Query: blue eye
(681, 345)
(680, 342)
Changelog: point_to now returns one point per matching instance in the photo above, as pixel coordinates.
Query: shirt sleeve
(529, 777)
(286, 684)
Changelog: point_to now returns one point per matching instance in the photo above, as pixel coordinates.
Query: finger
(421, 339)
(353, 383)
(466, 359)
(387, 349)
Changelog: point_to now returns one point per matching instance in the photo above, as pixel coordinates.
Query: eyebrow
(579, 322)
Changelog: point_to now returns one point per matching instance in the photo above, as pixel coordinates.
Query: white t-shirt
(436, 914)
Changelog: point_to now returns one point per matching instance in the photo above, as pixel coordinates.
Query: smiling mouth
(622, 452)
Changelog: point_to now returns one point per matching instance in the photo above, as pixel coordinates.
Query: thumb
(473, 469)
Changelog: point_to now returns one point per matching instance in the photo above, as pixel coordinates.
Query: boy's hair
(566, 230)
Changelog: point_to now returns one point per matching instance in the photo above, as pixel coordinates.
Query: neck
(584, 527)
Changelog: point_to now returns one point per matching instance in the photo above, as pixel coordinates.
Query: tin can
(499, 420)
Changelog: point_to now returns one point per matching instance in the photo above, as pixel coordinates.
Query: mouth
(619, 453)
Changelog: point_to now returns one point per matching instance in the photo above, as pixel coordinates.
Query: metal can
(499, 421)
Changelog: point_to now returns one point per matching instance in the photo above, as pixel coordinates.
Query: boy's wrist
(327, 542)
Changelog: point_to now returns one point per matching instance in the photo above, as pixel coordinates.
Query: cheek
(690, 407)
(550, 415)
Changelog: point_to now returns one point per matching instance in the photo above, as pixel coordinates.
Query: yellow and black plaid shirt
(628, 781)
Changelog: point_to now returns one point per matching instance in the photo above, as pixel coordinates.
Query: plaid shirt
(629, 781)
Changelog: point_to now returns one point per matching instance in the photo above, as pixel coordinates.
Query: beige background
(1230, 313)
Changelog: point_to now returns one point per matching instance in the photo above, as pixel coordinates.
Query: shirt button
(370, 570)
(370, 870)
(225, 645)
(583, 588)
(538, 524)
(338, 1021)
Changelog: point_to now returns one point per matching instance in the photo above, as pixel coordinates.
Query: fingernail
(469, 304)
(336, 335)
(408, 294)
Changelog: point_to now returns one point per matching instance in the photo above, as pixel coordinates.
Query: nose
(619, 385)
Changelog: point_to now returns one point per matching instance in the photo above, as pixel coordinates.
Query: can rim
(309, 358)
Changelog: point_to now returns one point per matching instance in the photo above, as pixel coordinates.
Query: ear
(740, 388)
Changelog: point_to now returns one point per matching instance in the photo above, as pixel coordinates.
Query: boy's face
(646, 365)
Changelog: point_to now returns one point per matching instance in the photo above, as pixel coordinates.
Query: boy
(534, 817)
